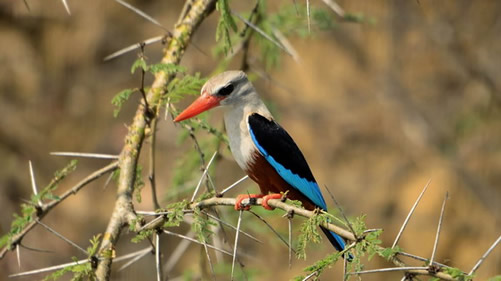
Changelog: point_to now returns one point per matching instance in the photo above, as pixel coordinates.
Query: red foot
(264, 203)
(238, 203)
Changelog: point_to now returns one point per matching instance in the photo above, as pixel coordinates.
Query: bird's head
(228, 88)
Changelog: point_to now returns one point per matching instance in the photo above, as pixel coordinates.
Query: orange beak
(203, 103)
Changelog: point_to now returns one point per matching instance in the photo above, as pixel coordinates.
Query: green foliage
(139, 63)
(201, 226)
(389, 253)
(495, 278)
(226, 22)
(168, 68)
(143, 234)
(120, 98)
(176, 213)
(28, 211)
(457, 273)
(94, 245)
(321, 265)
(187, 85)
(309, 233)
(80, 271)
(124, 95)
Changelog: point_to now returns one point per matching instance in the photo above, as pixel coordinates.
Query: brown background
(378, 109)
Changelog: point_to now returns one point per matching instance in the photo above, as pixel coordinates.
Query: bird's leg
(240, 197)
(264, 203)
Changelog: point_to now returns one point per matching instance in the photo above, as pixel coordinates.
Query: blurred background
(378, 108)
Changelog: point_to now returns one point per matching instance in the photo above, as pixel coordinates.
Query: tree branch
(123, 213)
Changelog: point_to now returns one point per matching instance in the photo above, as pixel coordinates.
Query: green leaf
(120, 98)
(225, 24)
(139, 63)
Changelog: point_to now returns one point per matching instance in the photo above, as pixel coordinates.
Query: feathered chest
(241, 144)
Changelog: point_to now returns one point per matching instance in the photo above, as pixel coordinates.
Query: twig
(235, 247)
(135, 47)
(141, 13)
(178, 252)
(204, 174)
(80, 262)
(86, 155)
(233, 227)
(308, 15)
(439, 228)
(151, 175)
(34, 183)
(421, 259)
(50, 268)
(410, 214)
(289, 218)
(272, 229)
(66, 7)
(233, 185)
(18, 254)
(342, 212)
(48, 207)
(262, 33)
(158, 259)
(403, 268)
(62, 237)
(335, 7)
(197, 242)
(138, 255)
(310, 275)
(484, 256)
(34, 249)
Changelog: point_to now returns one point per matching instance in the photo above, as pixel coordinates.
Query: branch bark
(194, 13)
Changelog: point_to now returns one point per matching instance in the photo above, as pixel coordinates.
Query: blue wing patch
(278, 148)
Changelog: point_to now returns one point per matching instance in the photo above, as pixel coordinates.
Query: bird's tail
(337, 242)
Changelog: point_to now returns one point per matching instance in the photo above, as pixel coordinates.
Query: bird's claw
(264, 203)
(241, 197)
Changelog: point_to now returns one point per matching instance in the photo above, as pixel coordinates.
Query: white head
(230, 88)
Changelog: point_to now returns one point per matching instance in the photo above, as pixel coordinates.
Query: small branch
(335, 7)
(273, 230)
(178, 252)
(410, 214)
(308, 15)
(204, 174)
(34, 183)
(484, 256)
(342, 212)
(62, 237)
(66, 7)
(262, 33)
(48, 207)
(149, 41)
(86, 155)
(197, 242)
(235, 247)
(151, 175)
(158, 259)
(439, 228)
(406, 268)
(232, 185)
(141, 13)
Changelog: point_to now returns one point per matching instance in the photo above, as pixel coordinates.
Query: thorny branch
(123, 213)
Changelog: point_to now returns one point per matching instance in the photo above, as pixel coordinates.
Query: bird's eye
(226, 90)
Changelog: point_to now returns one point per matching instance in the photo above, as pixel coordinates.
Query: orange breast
(270, 181)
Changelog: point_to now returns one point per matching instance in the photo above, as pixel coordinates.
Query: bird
(261, 147)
